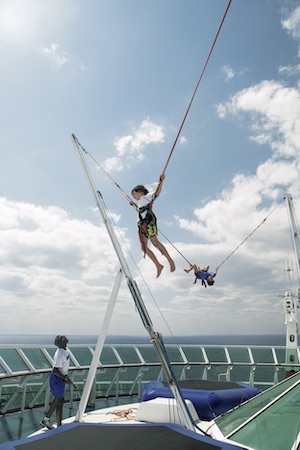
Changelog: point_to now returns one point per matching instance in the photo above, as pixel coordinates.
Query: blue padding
(208, 403)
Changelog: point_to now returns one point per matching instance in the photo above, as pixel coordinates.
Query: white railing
(124, 369)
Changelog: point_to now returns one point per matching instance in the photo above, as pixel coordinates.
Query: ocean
(37, 339)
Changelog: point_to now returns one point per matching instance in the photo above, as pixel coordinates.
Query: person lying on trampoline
(202, 274)
(147, 224)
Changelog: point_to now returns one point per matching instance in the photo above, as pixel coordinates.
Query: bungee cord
(105, 173)
(196, 88)
(175, 248)
(249, 235)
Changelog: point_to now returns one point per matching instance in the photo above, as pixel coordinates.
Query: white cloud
(55, 54)
(289, 70)
(228, 72)
(50, 261)
(113, 164)
(131, 148)
(292, 23)
(274, 112)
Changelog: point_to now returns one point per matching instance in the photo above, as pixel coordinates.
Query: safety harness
(144, 223)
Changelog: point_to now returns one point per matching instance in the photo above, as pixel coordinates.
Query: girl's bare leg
(154, 259)
(163, 251)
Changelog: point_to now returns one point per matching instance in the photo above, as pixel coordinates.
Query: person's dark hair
(210, 282)
(60, 340)
(140, 188)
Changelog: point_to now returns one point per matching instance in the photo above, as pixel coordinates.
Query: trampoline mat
(114, 437)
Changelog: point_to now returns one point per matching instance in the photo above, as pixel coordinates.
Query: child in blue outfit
(58, 380)
(202, 274)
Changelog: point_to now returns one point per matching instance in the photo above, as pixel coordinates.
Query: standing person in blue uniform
(202, 274)
(58, 381)
(147, 223)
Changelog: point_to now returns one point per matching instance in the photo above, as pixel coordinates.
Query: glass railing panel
(264, 374)
(13, 359)
(241, 374)
(37, 358)
(193, 354)
(108, 357)
(82, 355)
(149, 374)
(239, 354)
(194, 372)
(11, 393)
(216, 354)
(280, 353)
(149, 354)
(128, 355)
(174, 354)
(262, 355)
(33, 386)
(51, 351)
(215, 372)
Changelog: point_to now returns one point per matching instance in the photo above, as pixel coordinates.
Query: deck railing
(124, 369)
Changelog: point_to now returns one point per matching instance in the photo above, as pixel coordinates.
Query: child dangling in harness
(147, 224)
(202, 274)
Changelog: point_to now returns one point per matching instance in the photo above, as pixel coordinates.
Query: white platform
(163, 410)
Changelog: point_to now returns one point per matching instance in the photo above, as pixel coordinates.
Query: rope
(106, 174)
(175, 248)
(248, 236)
(196, 88)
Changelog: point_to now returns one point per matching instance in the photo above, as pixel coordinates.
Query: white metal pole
(99, 346)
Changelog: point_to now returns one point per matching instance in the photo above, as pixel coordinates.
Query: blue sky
(120, 75)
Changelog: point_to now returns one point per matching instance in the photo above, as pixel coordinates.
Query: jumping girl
(147, 223)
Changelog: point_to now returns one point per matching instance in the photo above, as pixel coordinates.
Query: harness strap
(143, 224)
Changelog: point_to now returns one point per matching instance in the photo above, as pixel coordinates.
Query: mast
(294, 231)
(290, 302)
(156, 338)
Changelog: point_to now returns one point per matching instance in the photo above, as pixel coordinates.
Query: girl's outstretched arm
(159, 186)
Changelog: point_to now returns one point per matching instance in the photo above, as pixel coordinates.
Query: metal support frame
(156, 338)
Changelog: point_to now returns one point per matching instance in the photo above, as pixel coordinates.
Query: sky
(120, 76)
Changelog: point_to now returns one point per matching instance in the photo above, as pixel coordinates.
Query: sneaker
(46, 423)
